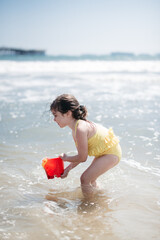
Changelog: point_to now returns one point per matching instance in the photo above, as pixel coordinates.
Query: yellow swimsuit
(103, 142)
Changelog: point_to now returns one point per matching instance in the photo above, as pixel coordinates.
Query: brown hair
(67, 102)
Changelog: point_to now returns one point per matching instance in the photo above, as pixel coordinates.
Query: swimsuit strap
(76, 126)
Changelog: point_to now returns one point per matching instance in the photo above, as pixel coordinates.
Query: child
(90, 139)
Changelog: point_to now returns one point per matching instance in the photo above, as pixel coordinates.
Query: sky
(75, 27)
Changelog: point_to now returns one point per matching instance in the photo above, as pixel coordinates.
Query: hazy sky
(81, 26)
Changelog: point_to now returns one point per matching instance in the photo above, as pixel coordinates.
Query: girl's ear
(69, 113)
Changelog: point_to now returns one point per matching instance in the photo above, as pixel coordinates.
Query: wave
(109, 67)
(152, 170)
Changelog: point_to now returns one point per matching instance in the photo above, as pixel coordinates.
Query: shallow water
(124, 95)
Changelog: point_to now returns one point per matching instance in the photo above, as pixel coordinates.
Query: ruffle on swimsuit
(102, 141)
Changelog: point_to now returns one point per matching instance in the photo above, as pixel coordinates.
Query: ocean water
(121, 94)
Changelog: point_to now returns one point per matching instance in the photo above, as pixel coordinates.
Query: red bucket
(54, 167)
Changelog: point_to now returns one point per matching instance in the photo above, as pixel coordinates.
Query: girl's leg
(99, 166)
(94, 184)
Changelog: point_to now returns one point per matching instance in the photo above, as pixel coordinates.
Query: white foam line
(137, 165)
(79, 66)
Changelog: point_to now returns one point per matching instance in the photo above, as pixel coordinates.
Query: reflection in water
(75, 200)
(79, 216)
(97, 204)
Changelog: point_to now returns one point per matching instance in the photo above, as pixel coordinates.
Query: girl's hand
(65, 173)
(63, 156)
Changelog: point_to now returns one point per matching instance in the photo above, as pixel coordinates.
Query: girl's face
(61, 119)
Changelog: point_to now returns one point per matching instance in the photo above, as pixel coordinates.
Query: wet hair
(67, 102)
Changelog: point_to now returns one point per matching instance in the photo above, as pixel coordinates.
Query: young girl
(90, 139)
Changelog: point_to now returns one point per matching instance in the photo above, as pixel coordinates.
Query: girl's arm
(82, 145)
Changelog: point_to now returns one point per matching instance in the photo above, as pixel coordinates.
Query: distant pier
(5, 51)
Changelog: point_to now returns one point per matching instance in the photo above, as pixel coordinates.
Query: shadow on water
(75, 201)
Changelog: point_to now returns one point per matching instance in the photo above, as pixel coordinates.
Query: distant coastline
(106, 57)
(23, 54)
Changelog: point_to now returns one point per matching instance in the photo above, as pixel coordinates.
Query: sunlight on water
(124, 95)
